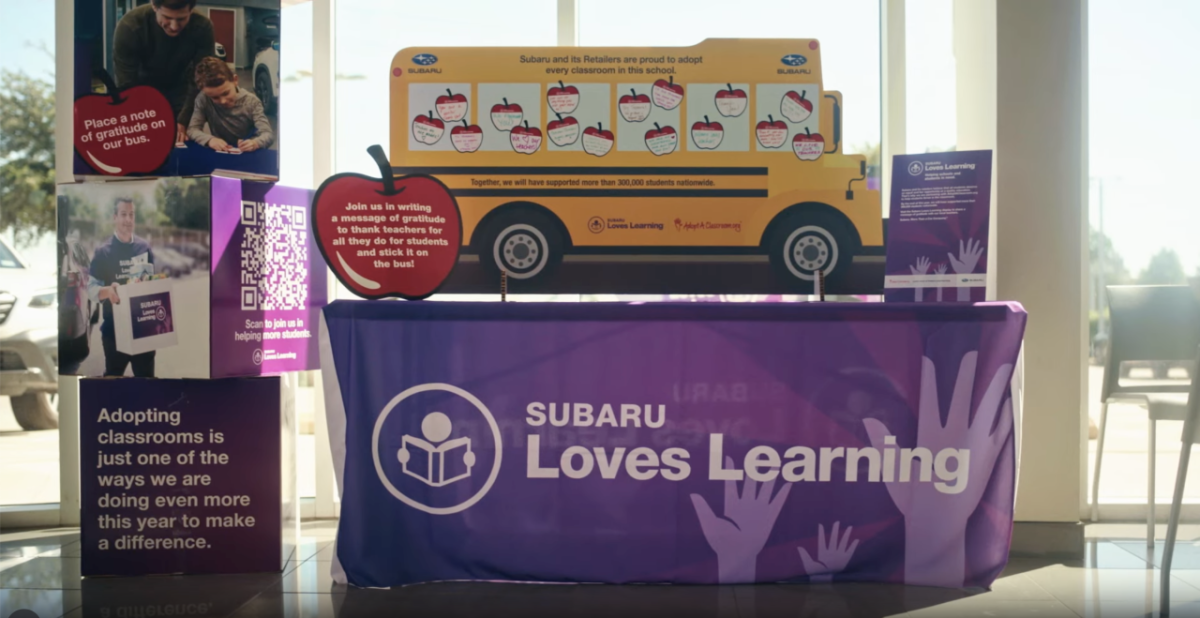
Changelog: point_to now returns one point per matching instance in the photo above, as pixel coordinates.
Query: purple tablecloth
(697, 443)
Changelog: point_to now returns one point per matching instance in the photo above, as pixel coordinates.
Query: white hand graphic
(941, 270)
(832, 557)
(921, 268)
(936, 522)
(968, 257)
(738, 537)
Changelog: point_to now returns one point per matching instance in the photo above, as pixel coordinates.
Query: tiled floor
(39, 572)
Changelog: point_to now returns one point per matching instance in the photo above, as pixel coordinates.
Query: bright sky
(1144, 210)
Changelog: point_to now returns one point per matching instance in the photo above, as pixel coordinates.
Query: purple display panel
(700, 443)
(268, 282)
(938, 230)
(180, 476)
(152, 315)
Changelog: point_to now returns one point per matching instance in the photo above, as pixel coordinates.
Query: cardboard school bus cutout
(726, 147)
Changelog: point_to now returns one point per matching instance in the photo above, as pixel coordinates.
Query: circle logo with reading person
(916, 168)
(161, 314)
(595, 225)
(437, 448)
(257, 357)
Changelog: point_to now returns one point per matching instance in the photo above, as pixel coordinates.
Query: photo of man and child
(217, 63)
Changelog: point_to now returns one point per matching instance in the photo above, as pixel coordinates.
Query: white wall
(1021, 90)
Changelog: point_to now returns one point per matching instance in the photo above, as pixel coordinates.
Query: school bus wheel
(523, 242)
(801, 243)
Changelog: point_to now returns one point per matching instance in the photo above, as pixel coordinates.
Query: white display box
(144, 320)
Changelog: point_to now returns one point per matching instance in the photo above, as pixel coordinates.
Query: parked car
(171, 262)
(191, 249)
(266, 77)
(28, 341)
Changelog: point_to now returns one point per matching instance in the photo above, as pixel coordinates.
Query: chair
(1149, 323)
(1191, 427)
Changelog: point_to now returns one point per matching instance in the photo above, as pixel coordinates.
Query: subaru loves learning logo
(794, 60)
(434, 436)
(425, 59)
(915, 168)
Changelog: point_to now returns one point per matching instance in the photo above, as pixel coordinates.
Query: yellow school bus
(728, 146)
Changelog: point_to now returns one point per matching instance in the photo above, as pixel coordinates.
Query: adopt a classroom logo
(437, 448)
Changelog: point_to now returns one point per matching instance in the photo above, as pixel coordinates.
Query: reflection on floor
(39, 572)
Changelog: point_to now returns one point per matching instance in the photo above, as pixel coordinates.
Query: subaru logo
(794, 60)
(424, 59)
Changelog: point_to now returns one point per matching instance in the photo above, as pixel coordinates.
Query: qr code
(274, 257)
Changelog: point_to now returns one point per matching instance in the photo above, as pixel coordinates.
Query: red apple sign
(525, 139)
(387, 237)
(795, 107)
(564, 131)
(808, 146)
(634, 107)
(129, 131)
(667, 94)
(506, 116)
(563, 99)
(466, 137)
(662, 140)
(731, 102)
(707, 135)
(427, 129)
(451, 107)
(597, 141)
(771, 133)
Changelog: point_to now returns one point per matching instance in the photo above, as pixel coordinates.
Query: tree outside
(26, 156)
(1164, 268)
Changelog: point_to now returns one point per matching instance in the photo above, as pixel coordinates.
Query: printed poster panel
(180, 476)
(141, 293)
(268, 283)
(177, 88)
(726, 148)
(938, 230)
(134, 278)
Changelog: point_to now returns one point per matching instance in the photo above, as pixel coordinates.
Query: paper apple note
(808, 146)
(667, 94)
(525, 139)
(466, 137)
(597, 141)
(731, 102)
(128, 131)
(428, 129)
(662, 140)
(634, 107)
(387, 236)
(564, 131)
(707, 135)
(771, 133)
(562, 99)
(451, 107)
(506, 115)
(795, 107)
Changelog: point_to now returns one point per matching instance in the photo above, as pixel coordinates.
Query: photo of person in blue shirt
(115, 261)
